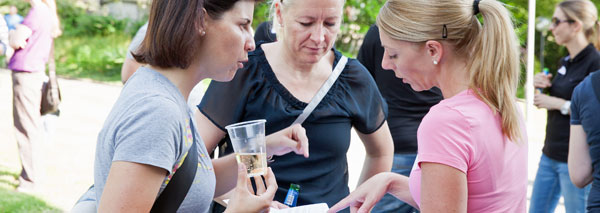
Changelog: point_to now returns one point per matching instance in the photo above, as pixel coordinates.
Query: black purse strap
(596, 84)
(179, 185)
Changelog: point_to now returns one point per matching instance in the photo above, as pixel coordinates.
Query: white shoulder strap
(323, 91)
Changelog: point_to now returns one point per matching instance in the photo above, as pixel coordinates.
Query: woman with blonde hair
(575, 26)
(280, 82)
(472, 145)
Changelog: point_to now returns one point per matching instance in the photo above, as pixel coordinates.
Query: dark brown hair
(174, 30)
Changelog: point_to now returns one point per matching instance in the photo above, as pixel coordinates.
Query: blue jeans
(551, 180)
(402, 165)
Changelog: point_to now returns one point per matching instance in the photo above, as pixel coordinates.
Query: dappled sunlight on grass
(13, 201)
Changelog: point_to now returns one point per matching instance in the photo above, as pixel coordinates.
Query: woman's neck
(576, 45)
(453, 78)
(183, 79)
(288, 57)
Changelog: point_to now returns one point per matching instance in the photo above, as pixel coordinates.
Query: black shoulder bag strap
(596, 83)
(179, 185)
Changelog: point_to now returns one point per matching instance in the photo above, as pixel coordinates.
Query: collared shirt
(575, 70)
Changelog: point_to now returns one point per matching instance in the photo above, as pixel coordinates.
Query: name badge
(562, 70)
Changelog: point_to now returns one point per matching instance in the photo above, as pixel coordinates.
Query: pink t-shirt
(34, 56)
(464, 133)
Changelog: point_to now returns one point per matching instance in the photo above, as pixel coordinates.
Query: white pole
(529, 90)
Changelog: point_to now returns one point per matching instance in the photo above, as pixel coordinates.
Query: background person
(584, 139)
(13, 18)
(575, 26)
(32, 41)
(130, 65)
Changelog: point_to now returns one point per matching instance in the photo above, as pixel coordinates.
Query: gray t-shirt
(150, 124)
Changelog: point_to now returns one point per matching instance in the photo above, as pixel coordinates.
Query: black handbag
(50, 92)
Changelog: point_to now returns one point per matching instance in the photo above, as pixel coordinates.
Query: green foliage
(91, 25)
(92, 46)
(76, 21)
(99, 57)
(552, 52)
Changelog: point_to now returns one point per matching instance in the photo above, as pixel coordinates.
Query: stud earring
(202, 33)
(435, 62)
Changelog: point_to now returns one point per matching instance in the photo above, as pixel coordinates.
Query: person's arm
(131, 187)
(291, 139)
(368, 194)
(443, 188)
(18, 37)
(580, 162)
(210, 133)
(548, 102)
(56, 31)
(129, 67)
(379, 148)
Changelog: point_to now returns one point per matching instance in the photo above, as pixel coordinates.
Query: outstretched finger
(344, 203)
(299, 133)
(367, 205)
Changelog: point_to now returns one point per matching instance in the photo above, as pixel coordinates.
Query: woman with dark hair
(150, 130)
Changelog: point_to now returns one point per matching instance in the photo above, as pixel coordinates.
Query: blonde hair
(492, 49)
(585, 12)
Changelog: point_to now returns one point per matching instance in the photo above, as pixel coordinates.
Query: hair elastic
(476, 7)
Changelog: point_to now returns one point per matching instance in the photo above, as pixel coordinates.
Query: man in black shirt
(406, 109)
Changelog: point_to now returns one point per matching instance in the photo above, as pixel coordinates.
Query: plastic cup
(248, 140)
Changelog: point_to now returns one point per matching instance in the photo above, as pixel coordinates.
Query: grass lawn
(12, 201)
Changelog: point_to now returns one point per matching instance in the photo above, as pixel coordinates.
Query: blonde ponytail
(494, 68)
(491, 50)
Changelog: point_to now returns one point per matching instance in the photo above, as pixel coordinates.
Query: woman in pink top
(32, 41)
(472, 153)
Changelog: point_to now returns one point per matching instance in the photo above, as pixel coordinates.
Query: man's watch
(564, 109)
